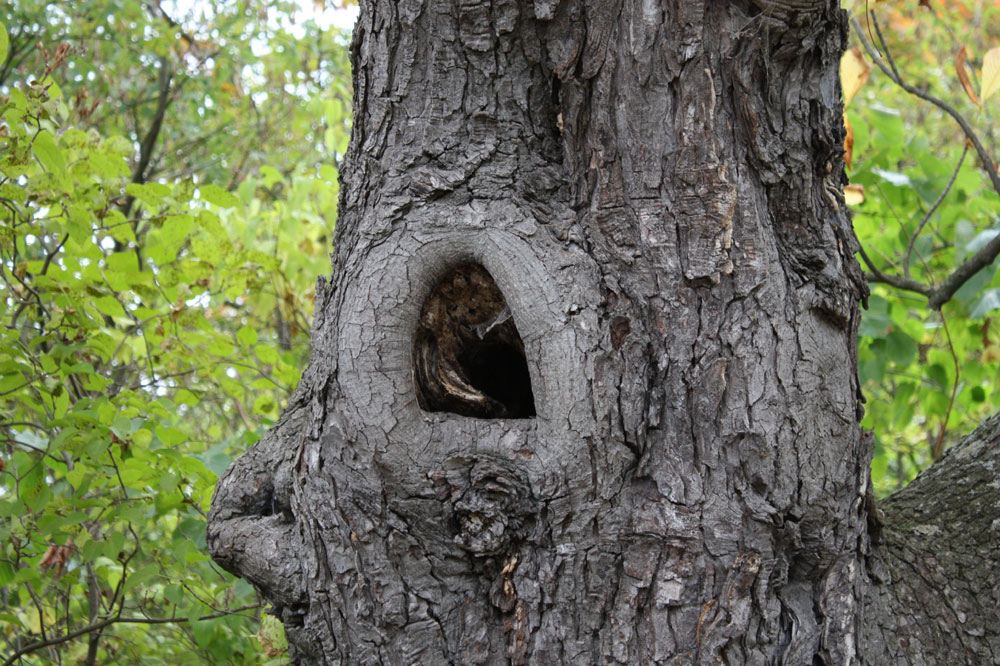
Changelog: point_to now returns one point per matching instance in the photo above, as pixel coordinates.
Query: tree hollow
(468, 356)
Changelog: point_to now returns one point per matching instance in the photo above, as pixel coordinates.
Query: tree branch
(153, 133)
(934, 560)
(941, 294)
(893, 74)
(897, 281)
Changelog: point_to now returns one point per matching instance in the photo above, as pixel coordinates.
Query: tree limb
(933, 559)
(897, 281)
(153, 133)
(941, 294)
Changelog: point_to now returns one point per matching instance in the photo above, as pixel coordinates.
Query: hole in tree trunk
(468, 357)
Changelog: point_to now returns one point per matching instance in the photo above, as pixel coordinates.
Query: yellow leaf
(34, 620)
(854, 195)
(854, 71)
(991, 73)
(848, 142)
(963, 76)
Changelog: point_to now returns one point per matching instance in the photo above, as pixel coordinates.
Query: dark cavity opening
(468, 357)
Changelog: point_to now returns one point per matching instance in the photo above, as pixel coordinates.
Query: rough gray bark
(654, 187)
(935, 562)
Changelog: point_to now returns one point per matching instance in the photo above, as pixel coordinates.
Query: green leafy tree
(168, 190)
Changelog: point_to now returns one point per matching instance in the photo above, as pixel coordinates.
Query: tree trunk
(584, 387)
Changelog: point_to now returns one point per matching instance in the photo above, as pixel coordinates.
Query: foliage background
(168, 189)
(929, 376)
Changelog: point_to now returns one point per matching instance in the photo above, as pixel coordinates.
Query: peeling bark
(654, 189)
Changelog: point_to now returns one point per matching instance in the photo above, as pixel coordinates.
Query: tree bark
(935, 562)
(652, 191)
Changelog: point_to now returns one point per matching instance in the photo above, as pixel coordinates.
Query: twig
(37, 426)
(93, 597)
(51, 255)
(936, 452)
(934, 207)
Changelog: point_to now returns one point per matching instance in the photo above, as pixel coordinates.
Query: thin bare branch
(934, 207)
(897, 281)
(893, 74)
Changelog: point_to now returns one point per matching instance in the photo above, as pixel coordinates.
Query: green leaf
(109, 306)
(170, 435)
(269, 175)
(150, 194)
(4, 42)
(217, 196)
(987, 302)
(938, 375)
(246, 336)
(142, 437)
(174, 593)
(266, 354)
(34, 491)
(263, 404)
(203, 632)
(209, 249)
(876, 320)
(6, 569)
(122, 263)
(48, 153)
(140, 577)
(902, 349)
(79, 224)
(216, 459)
(11, 382)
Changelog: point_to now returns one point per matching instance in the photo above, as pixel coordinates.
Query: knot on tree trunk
(252, 528)
(492, 507)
